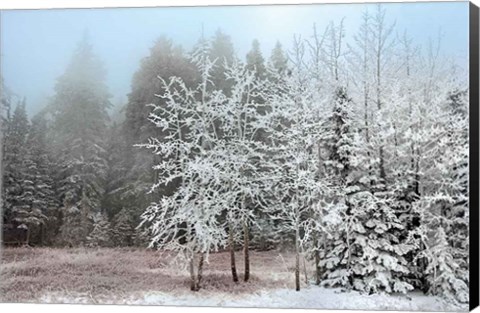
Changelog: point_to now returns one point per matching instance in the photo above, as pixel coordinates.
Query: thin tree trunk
(232, 254)
(305, 270)
(297, 258)
(193, 284)
(42, 234)
(246, 251)
(317, 261)
(417, 173)
(200, 271)
(297, 271)
(28, 236)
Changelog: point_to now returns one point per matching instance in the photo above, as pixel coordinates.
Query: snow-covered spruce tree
(186, 221)
(367, 252)
(339, 142)
(459, 212)
(44, 197)
(442, 269)
(27, 212)
(334, 147)
(101, 235)
(122, 231)
(5, 104)
(14, 152)
(21, 172)
(79, 112)
(443, 206)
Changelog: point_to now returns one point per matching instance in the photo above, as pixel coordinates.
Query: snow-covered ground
(310, 298)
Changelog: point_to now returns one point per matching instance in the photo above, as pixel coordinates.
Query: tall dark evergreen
(278, 60)
(221, 50)
(165, 60)
(80, 119)
(41, 171)
(255, 60)
(116, 188)
(14, 152)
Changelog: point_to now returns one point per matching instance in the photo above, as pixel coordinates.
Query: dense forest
(353, 154)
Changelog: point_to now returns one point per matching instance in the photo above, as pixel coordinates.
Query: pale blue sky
(36, 45)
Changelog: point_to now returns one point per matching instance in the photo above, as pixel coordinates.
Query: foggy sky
(36, 45)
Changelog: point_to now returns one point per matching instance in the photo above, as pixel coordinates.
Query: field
(131, 276)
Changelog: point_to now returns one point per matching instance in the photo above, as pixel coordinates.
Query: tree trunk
(246, 251)
(193, 281)
(305, 270)
(232, 254)
(297, 259)
(383, 175)
(200, 271)
(297, 272)
(28, 236)
(317, 261)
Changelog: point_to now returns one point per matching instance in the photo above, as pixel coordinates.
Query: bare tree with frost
(187, 221)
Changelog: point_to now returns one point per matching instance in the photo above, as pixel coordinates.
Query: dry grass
(26, 274)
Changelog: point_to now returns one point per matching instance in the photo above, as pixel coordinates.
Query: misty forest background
(352, 154)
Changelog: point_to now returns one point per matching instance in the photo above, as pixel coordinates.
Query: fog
(36, 45)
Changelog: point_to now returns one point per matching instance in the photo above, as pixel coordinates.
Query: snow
(313, 297)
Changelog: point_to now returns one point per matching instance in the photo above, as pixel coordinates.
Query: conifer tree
(222, 52)
(255, 60)
(101, 233)
(123, 232)
(45, 198)
(80, 117)
(165, 60)
(14, 154)
(278, 60)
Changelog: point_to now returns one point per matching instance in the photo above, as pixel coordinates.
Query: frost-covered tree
(165, 60)
(241, 121)
(187, 220)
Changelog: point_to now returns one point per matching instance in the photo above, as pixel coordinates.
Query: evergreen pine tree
(222, 51)
(123, 232)
(165, 60)
(101, 233)
(278, 60)
(255, 60)
(14, 152)
(442, 269)
(80, 117)
(45, 198)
